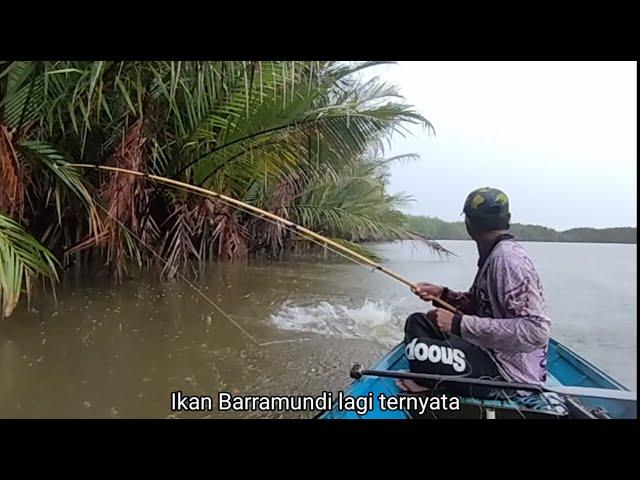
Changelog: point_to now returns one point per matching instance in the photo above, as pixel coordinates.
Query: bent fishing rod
(288, 223)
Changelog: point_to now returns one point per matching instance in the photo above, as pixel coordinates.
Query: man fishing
(503, 331)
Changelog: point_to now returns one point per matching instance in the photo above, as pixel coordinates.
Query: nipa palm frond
(21, 258)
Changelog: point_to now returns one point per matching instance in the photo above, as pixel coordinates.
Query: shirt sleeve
(525, 327)
(463, 301)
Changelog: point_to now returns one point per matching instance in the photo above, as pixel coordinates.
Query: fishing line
(199, 291)
(182, 277)
(328, 247)
(274, 219)
(265, 215)
(297, 228)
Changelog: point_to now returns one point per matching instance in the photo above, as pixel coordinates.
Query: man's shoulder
(510, 246)
(511, 254)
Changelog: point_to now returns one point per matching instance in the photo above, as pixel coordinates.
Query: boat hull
(564, 366)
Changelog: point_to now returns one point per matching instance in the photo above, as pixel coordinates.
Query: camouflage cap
(488, 207)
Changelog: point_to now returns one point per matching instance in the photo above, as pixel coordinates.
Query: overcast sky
(558, 137)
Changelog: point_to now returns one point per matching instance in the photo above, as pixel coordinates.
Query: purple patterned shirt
(506, 314)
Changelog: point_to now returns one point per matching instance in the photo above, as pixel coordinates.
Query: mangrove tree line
(303, 140)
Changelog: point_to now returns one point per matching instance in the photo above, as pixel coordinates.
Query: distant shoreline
(438, 229)
(439, 239)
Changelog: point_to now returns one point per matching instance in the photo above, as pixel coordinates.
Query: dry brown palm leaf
(125, 197)
(179, 250)
(204, 225)
(229, 234)
(273, 235)
(12, 191)
(431, 243)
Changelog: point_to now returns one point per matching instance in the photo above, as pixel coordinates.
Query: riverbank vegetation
(441, 230)
(303, 140)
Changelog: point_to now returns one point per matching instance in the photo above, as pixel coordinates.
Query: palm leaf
(66, 179)
(21, 258)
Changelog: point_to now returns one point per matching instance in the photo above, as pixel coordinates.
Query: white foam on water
(376, 321)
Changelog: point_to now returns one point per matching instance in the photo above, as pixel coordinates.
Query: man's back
(511, 319)
(501, 325)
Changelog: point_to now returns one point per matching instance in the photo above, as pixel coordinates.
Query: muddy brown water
(106, 351)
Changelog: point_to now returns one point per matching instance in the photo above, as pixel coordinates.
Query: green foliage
(301, 139)
(21, 258)
(601, 235)
(441, 230)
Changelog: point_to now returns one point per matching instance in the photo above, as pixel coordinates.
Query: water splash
(374, 320)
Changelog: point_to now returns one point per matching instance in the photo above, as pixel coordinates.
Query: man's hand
(426, 291)
(442, 318)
